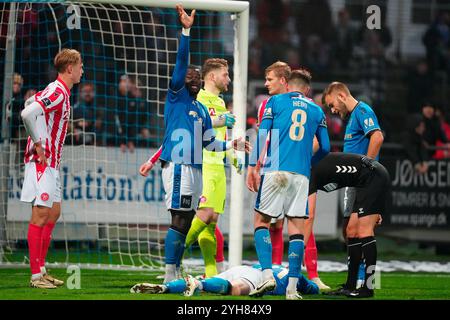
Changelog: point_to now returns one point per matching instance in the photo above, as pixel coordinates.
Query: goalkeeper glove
(225, 119)
(237, 163)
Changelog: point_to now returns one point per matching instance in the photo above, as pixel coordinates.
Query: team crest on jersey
(45, 196)
(212, 112)
(195, 115)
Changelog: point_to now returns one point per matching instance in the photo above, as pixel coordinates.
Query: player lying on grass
(236, 281)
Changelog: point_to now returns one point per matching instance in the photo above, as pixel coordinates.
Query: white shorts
(349, 201)
(283, 192)
(183, 186)
(41, 187)
(248, 274)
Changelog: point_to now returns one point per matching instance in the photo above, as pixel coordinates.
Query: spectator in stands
(29, 93)
(420, 86)
(433, 131)
(87, 119)
(124, 120)
(344, 40)
(444, 148)
(17, 133)
(437, 43)
(16, 105)
(314, 23)
(414, 143)
(140, 117)
(374, 64)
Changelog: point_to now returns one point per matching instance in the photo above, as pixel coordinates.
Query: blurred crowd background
(402, 69)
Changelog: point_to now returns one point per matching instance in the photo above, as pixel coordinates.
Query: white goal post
(242, 10)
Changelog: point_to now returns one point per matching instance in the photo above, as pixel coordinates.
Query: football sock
(174, 244)
(208, 246)
(276, 236)
(196, 228)
(295, 258)
(176, 286)
(34, 248)
(219, 251)
(263, 249)
(354, 253)
(46, 238)
(369, 249)
(311, 257)
(216, 285)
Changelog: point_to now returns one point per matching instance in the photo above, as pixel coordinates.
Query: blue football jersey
(185, 119)
(362, 121)
(304, 286)
(293, 120)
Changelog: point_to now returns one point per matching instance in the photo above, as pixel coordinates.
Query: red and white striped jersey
(55, 101)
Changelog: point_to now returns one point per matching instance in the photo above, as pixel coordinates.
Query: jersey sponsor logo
(368, 122)
(330, 187)
(56, 94)
(46, 101)
(267, 112)
(45, 196)
(203, 199)
(346, 169)
(212, 112)
(361, 211)
(186, 202)
(324, 123)
(348, 136)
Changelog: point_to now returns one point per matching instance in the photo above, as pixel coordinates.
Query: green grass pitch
(115, 285)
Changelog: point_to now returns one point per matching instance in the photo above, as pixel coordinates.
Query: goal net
(111, 216)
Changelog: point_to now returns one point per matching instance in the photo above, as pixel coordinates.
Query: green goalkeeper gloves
(237, 163)
(225, 120)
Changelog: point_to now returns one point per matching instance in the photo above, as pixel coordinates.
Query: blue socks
(295, 255)
(216, 285)
(174, 246)
(176, 286)
(263, 246)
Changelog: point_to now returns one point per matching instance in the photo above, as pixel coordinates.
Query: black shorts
(372, 199)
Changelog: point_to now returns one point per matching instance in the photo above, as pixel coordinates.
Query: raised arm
(179, 73)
